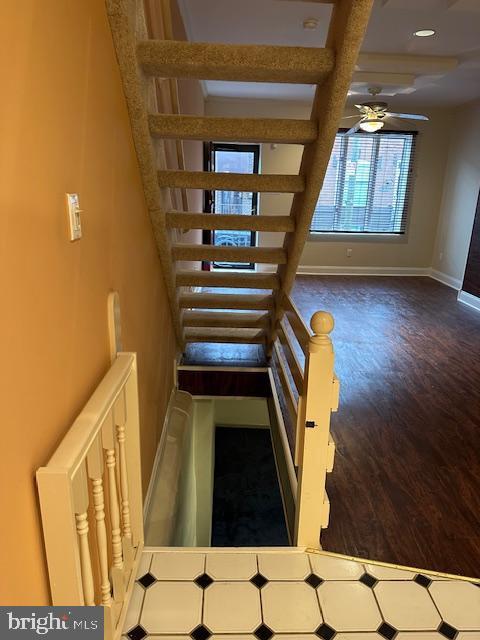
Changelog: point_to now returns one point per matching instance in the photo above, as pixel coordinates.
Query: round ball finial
(322, 323)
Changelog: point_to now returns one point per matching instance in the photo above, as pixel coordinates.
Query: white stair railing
(314, 444)
(101, 450)
(310, 394)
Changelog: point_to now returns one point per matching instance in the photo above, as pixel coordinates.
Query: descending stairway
(141, 60)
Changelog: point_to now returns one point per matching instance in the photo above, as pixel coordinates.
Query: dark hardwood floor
(406, 483)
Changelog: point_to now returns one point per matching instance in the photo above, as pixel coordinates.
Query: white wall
(180, 510)
(460, 194)
(411, 251)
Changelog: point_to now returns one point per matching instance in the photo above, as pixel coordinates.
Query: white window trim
(338, 236)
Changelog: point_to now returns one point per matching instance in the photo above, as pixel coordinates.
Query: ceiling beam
(405, 63)
(382, 78)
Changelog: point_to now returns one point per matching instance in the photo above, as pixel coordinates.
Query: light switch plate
(73, 209)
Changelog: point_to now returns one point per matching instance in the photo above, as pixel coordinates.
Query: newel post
(312, 504)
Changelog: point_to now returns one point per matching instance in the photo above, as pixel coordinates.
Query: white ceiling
(452, 78)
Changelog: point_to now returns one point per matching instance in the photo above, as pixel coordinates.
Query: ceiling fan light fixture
(424, 33)
(372, 125)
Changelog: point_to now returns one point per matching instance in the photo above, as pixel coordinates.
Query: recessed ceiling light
(310, 23)
(424, 33)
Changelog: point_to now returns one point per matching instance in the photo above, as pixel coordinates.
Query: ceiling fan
(373, 115)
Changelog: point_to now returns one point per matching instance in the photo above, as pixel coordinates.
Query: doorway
(231, 158)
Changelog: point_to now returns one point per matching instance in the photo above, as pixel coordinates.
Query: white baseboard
(471, 301)
(158, 455)
(362, 271)
(315, 270)
(444, 278)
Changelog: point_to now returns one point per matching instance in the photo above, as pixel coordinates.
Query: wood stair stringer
(138, 91)
(347, 29)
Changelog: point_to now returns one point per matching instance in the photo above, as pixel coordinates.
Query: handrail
(313, 433)
(296, 368)
(318, 390)
(300, 329)
(302, 335)
(289, 396)
(97, 461)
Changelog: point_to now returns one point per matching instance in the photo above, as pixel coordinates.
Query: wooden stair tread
(260, 182)
(225, 319)
(240, 63)
(257, 280)
(238, 336)
(266, 255)
(186, 220)
(225, 301)
(223, 129)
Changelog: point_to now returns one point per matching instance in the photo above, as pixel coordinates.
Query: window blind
(367, 187)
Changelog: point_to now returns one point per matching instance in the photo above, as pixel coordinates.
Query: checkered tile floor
(248, 594)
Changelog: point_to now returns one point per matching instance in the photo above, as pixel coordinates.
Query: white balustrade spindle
(99, 505)
(114, 511)
(120, 418)
(85, 560)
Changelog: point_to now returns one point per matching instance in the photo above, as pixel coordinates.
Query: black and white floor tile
(289, 594)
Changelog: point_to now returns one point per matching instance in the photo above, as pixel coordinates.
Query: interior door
(471, 279)
(233, 158)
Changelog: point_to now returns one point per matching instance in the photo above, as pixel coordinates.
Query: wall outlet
(349, 253)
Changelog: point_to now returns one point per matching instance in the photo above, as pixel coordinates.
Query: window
(235, 158)
(367, 186)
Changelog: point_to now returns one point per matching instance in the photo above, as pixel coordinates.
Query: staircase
(142, 61)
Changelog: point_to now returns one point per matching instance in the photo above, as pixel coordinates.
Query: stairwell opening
(222, 475)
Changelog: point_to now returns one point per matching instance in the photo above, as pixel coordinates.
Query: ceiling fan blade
(353, 130)
(349, 117)
(407, 116)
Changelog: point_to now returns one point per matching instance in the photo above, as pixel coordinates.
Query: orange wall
(64, 127)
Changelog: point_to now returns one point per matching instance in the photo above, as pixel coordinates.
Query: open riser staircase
(146, 65)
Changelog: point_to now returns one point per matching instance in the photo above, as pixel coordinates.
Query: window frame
(379, 236)
(208, 237)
